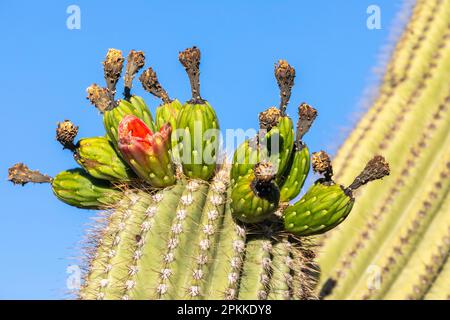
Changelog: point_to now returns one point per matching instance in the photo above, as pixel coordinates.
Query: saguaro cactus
(396, 243)
(177, 229)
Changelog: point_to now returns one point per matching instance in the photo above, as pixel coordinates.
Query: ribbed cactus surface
(396, 243)
(180, 224)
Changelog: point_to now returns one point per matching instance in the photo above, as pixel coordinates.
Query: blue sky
(46, 68)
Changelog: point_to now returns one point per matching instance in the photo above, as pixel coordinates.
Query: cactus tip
(306, 116)
(21, 174)
(321, 164)
(99, 97)
(66, 132)
(285, 75)
(264, 171)
(135, 62)
(150, 83)
(112, 67)
(269, 118)
(190, 59)
(375, 169)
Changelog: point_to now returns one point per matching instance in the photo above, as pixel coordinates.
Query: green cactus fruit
(77, 188)
(147, 152)
(326, 204)
(168, 113)
(275, 140)
(255, 196)
(245, 157)
(96, 155)
(99, 158)
(197, 124)
(298, 167)
(279, 142)
(322, 208)
(295, 175)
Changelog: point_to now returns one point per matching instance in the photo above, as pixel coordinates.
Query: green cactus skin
(77, 188)
(136, 106)
(247, 154)
(285, 132)
(256, 270)
(213, 234)
(193, 121)
(295, 175)
(99, 158)
(322, 208)
(390, 229)
(168, 113)
(281, 264)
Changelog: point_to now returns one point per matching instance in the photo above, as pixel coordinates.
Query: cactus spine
(175, 229)
(396, 245)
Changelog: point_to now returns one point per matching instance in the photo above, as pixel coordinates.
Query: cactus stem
(153, 254)
(150, 83)
(304, 276)
(212, 219)
(285, 75)
(377, 168)
(100, 98)
(190, 59)
(281, 280)
(179, 243)
(257, 270)
(21, 174)
(112, 67)
(66, 132)
(101, 263)
(269, 118)
(306, 117)
(135, 62)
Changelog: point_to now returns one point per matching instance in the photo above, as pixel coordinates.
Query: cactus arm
(155, 239)
(181, 243)
(367, 134)
(440, 290)
(281, 280)
(429, 257)
(336, 244)
(434, 145)
(256, 270)
(403, 239)
(380, 116)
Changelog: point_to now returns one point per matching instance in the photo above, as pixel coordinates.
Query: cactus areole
(181, 225)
